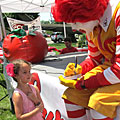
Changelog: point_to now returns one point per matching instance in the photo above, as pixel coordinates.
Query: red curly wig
(72, 11)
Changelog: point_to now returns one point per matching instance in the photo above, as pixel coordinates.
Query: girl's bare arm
(18, 105)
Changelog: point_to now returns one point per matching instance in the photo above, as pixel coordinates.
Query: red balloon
(31, 48)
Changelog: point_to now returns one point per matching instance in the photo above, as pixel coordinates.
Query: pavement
(55, 65)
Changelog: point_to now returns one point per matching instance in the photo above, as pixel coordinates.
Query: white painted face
(87, 27)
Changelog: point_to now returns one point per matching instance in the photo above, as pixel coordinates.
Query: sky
(45, 16)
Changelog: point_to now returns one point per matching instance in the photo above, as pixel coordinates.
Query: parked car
(57, 37)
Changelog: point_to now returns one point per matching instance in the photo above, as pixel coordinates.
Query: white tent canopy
(26, 6)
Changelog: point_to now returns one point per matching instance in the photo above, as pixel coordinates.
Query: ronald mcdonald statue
(98, 89)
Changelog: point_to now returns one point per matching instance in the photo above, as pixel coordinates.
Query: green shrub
(82, 42)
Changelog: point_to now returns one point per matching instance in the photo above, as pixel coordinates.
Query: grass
(5, 112)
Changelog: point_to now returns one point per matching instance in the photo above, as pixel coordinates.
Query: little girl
(26, 98)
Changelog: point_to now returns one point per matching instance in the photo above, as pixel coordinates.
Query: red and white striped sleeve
(111, 75)
(94, 58)
(1, 53)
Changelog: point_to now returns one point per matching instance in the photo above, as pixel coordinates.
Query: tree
(82, 40)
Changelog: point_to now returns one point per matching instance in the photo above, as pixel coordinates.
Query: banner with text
(15, 24)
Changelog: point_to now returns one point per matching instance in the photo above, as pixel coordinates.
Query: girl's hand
(40, 106)
(32, 97)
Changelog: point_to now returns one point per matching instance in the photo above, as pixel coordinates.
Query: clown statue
(98, 89)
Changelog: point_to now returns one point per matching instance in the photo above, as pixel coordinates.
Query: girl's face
(24, 74)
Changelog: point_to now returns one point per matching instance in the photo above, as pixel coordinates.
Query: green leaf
(16, 36)
(18, 33)
(31, 33)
